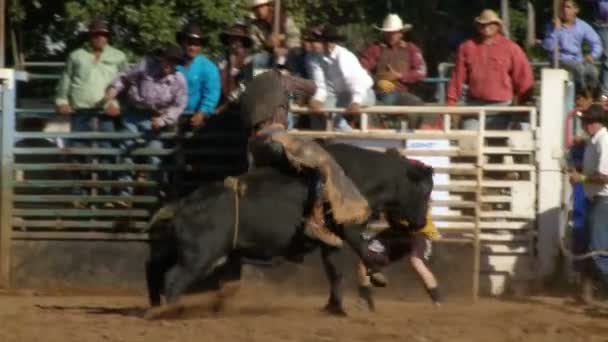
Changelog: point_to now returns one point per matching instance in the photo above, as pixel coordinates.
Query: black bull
(202, 233)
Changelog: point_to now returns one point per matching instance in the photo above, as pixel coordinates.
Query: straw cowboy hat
(256, 3)
(488, 16)
(393, 23)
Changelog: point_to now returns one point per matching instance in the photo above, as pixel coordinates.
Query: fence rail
(47, 194)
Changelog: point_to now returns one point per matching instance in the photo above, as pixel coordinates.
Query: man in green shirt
(88, 72)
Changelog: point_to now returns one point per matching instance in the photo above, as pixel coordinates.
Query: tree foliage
(49, 29)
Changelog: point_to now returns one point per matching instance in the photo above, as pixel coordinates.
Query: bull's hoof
(334, 310)
(164, 312)
(155, 302)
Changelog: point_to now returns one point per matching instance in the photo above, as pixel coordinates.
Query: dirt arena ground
(255, 315)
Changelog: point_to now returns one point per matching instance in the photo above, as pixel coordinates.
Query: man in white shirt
(595, 183)
(341, 80)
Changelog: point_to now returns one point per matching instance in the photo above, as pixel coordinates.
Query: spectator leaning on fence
(395, 65)
(600, 11)
(495, 69)
(272, 48)
(88, 71)
(595, 183)
(202, 75)
(156, 95)
(236, 68)
(570, 32)
(340, 79)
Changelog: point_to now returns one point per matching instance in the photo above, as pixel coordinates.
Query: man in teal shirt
(88, 72)
(202, 75)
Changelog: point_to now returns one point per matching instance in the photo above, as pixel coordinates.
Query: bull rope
(233, 184)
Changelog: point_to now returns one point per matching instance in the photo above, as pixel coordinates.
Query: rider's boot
(316, 228)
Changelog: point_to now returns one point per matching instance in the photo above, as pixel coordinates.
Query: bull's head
(414, 193)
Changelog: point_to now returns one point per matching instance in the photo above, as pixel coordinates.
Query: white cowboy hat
(393, 23)
(256, 3)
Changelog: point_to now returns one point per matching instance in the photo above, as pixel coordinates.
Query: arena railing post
(7, 77)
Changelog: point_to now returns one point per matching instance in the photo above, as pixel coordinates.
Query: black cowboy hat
(170, 52)
(312, 33)
(595, 113)
(330, 34)
(98, 26)
(191, 31)
(240, 31)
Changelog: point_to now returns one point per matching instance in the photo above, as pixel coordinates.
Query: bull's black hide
(201, 230)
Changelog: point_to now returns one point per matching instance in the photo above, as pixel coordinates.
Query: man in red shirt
(395, 65)
(495, 69)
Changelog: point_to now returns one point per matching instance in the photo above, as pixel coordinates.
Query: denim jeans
(401, 98)
(84, 121)
(602, 30)
(597, 224)
(138, 122)
(585, 75)
(495, 121)
(340, 100)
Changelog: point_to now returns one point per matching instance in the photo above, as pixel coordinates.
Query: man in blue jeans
(156, 95)
(88, 71)
(202, 75)
(595, 183)
(600, 12)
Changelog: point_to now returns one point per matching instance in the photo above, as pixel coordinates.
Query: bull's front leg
(334, 275)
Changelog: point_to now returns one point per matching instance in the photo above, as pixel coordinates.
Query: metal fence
(41, 174)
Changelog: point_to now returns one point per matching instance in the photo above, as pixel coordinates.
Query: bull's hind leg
(230, 281)
(334, 275)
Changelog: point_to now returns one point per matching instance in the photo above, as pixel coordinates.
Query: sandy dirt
(261, 315)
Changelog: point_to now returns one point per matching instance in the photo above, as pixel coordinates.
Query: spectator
(89, 70)
(594, 178)
(297, 63)
(202, 75)
(495, 69)
(155, 97)
(600, 8)
(570, 32)
(395, 65)
(340, 79)
(272, 48)
(237, 67)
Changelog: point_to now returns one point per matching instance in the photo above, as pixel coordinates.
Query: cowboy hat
(595, 113)
(393, 23)
(98, 26)
(329, 33)
(256, 3)
(237, 31)
(171, 52)
(488, 16)
(312, 33)
(191, 31)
